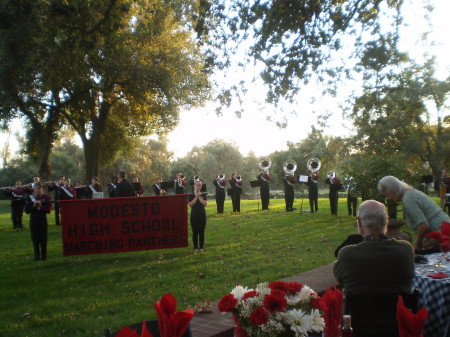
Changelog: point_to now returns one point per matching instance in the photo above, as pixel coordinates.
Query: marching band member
(235, 191)
(17, 196)
(193, 180)
(335, 187)
(313, 190)
(124, 187)
(289, 183)
(94, 186)
(157, 187)
(55, 186)
(352, 197)
(36, 180)
(220, 183)
(112, 187)
(179, 183)
(197, 202)
(264, 178)
(38, 206)
(67, 191)
(138, 187)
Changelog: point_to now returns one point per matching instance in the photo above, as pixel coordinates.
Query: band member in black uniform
(17, 195)
(264, 189)
(179, 183)
(124, 187)
(94, 186)
(289, 183)
(112, 187)
(38, 206)
(193, 180)
(313, 191)
(197, 202)
(36, 180)
(220, 183)
(138, 187)
(235, 191)
(55, 186)
(335, 187)
(157, 190)
(352, 197)
(67, 191)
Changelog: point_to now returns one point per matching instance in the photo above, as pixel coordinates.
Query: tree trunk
(91, 149)
(45, 138)
(92, 145)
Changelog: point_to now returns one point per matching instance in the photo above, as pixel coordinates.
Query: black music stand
(302, 180)
(82, 192)
(256, 183)
(166, 185)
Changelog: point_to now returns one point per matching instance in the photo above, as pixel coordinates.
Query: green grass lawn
(81, 295)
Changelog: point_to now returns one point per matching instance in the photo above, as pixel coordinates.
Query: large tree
(400, 110)
(29, 85)
(112, 69)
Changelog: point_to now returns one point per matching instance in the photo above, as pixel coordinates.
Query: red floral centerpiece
(274, 309)
(443, 237)
(171, 323)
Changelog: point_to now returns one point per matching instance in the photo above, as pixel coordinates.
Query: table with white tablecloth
(434, 294)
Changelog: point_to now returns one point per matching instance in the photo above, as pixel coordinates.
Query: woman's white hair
(373, 214)
(393, 186)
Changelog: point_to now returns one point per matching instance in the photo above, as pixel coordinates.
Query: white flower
(239, 292)
(317, 321)
(305, 293)
(293, 299)
(300, 322)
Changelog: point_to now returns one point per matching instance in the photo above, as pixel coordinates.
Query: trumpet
(238, 178)
(221, 176)
(265, 164)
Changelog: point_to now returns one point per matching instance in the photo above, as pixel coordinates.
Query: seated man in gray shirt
(376, 266)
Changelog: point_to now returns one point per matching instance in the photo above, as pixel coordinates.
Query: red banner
(94, 226)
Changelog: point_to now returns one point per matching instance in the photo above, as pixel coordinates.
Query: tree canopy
(111, 69)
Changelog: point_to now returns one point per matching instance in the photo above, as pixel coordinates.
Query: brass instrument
(331, 175)
(238, 178)
(289, 167)
(313, 165)
(221, 176)
(265, 164)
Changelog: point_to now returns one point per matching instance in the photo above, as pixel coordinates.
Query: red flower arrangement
(274, 309)
(443, 237)
(171, 323)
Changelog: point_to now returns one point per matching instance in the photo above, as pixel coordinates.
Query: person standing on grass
(17, 196)
(197, 202)
(38, 206)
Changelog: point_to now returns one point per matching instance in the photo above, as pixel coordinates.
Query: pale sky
(252, 132)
